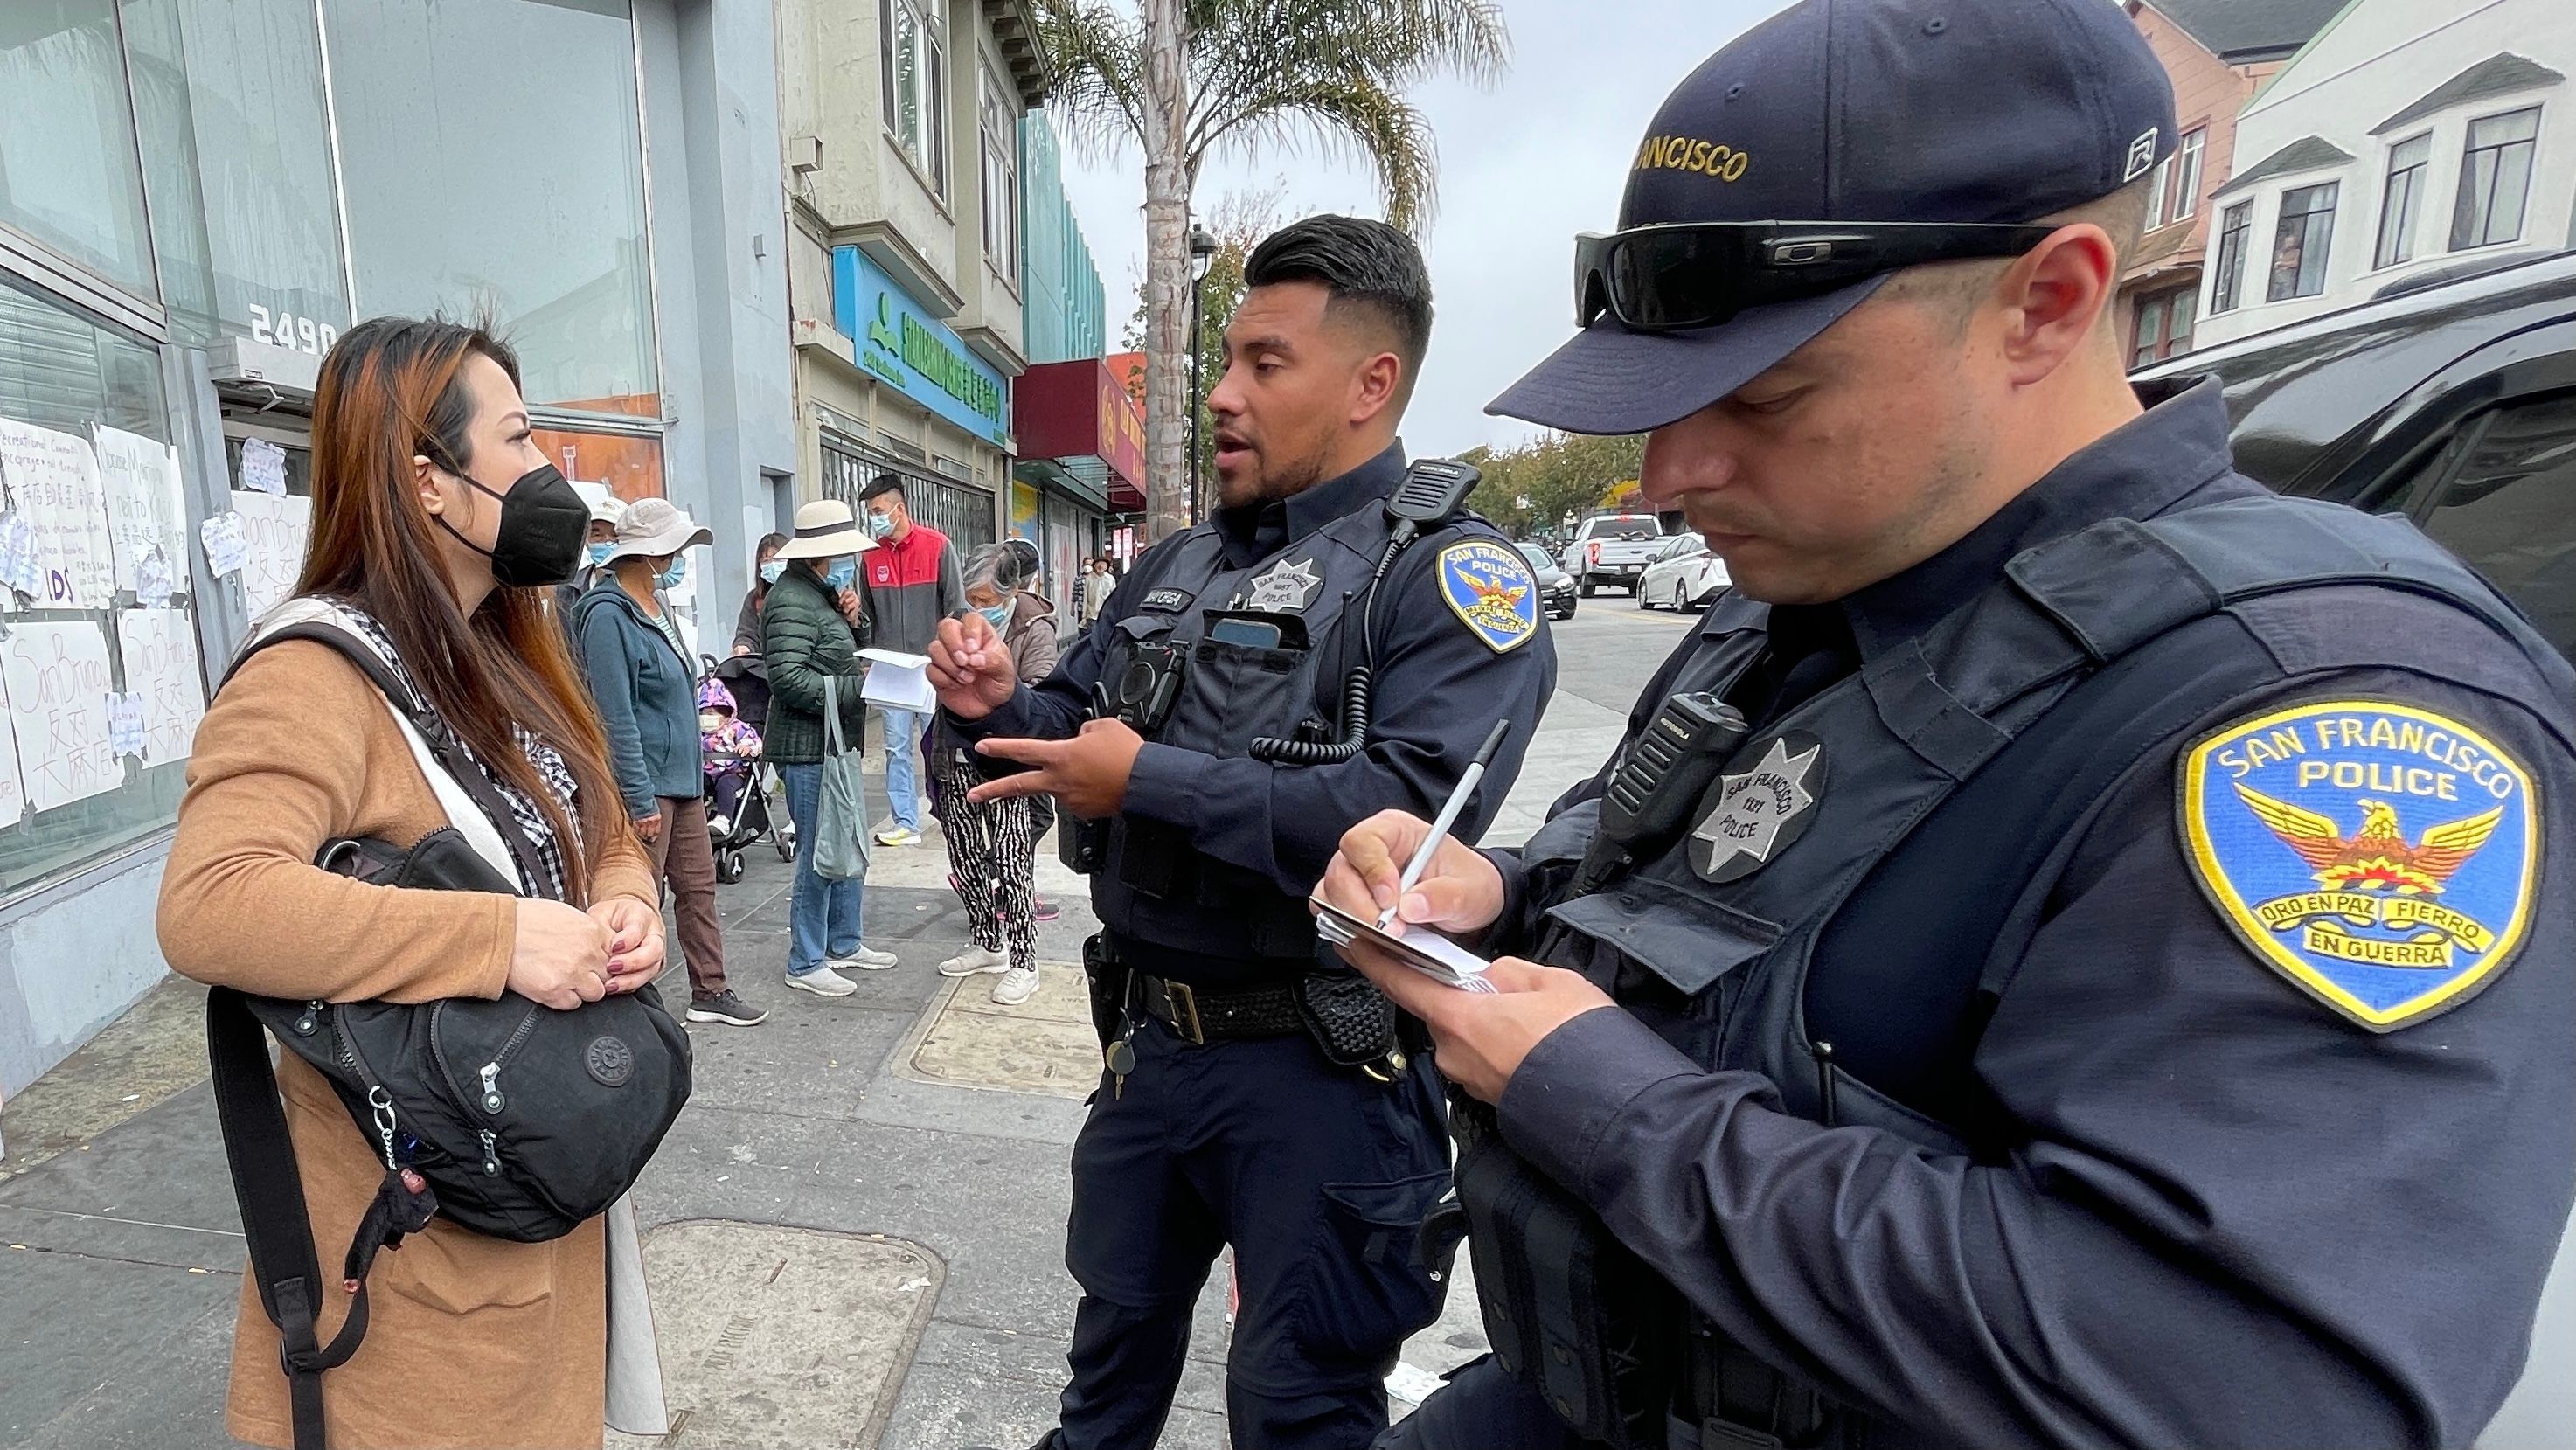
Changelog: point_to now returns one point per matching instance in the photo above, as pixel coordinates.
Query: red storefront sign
(1080, 409)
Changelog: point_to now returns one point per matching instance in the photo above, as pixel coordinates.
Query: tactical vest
(1719, 968)
(1155, 890)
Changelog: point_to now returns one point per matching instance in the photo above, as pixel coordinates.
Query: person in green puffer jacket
(812, 628)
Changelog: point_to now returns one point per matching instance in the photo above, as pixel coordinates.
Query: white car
(1682, 575)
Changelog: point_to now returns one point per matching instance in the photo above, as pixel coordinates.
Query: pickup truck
(1612, 549)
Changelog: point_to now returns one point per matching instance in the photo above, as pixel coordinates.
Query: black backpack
(510, 1118)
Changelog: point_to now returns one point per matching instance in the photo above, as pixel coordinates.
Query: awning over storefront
(1078, 417)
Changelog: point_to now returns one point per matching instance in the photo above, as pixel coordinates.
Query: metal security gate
(960, 510)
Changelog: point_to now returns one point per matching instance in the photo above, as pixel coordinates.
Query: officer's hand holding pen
(970, 667)
(1478, 1038)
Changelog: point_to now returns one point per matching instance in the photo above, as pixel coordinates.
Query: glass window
(2148, 342)
(2495, 179)
(2234, 225)
(2299, 243)
(2399, 200)
(912, 35)
(547, 235)
(263, 144)
(2186, 186)
(2178, 320)
(999, 110)
(2159, 184)
(70, 176)
(73, 799)
(2508, 507)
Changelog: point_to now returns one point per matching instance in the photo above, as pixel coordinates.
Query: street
(855, 1231)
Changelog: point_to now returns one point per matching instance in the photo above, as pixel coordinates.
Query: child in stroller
(737, 784)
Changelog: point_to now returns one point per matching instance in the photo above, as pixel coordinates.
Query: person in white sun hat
(812, 628)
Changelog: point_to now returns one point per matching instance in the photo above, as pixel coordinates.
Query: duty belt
(1199, 1016)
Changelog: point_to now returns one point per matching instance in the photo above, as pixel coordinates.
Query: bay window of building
(71, 177)
(84, 442)
(2495, 179)
(911, 36)
(2399, 199)
(547, 237)
(998, 112)
(2186, 179)
(2300, 241)
(2235, 226)
(2163, 326)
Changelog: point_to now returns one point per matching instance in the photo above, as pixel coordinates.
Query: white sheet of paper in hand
(899, 681)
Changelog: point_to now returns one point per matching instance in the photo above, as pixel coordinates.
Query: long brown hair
(392, 387)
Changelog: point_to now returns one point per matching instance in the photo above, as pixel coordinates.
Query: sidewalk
(855, 1232)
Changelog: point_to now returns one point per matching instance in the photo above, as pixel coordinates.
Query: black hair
(882, 484)
(1357, 261)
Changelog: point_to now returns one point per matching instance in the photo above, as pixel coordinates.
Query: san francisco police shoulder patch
(1489, 587)
(2379, 856)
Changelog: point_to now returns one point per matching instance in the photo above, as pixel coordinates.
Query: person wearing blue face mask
(992, 845)
(813, 624)
(643, 677)
(746, 623)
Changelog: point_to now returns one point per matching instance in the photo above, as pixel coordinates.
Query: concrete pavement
(855, 1232)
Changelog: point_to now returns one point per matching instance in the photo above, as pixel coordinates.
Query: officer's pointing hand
(971, 668)
(1088, 772)
(1460, 891)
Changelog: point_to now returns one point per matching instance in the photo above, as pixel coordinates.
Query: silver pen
(1449, 812)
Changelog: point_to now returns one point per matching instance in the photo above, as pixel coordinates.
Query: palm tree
(1183, 78)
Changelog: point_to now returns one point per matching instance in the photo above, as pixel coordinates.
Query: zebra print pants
(992, 856)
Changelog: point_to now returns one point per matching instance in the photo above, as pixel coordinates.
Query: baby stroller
(750, 819)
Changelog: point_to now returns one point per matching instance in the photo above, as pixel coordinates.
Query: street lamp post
(1202, 254)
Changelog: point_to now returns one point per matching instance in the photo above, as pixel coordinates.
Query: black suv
(2454, 405)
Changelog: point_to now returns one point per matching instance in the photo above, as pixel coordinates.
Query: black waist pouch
(1569, 1309)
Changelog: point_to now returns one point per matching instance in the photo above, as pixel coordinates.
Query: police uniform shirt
(1439, 687)
(2202, 1208)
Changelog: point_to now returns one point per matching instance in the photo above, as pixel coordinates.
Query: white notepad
(1426, 951)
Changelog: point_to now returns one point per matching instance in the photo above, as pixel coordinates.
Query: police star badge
(2380, 857)
(1751, 818)
(1283, 588)
(1490, 588)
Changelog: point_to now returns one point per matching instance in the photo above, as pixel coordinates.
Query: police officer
(2108, 981)
(1263, 682)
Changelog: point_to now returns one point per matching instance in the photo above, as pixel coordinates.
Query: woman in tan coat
(436, 525)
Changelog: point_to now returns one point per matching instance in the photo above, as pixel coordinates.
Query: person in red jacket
(912, 582)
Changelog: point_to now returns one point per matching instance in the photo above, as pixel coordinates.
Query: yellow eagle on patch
(2378, 856)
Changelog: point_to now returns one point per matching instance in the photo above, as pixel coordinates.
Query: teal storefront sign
(914, 353)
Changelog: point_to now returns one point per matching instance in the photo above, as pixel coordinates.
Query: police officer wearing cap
(2076, 949)
(1339, 639)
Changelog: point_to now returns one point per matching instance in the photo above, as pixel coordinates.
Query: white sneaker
(973, 960)
(899, 835)
(719, 827)
(1017, 986)
(864, 960)
(822, 982)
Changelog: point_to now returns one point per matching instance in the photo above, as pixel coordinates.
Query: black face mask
(544, 526)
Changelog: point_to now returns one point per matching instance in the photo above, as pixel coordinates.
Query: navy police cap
(1988, 111)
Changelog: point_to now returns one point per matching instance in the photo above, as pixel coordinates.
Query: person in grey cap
(2076, 949)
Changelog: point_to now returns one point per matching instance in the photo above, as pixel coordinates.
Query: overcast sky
(1523, 167)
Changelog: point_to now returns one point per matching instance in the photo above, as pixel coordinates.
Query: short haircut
(882, 484)
(1359, 263)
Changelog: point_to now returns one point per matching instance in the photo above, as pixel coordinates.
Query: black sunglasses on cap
(1682, 275)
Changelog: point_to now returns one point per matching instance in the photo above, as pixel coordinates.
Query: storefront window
(69, 173)
(261, 135)
(549, 237)
(100, 682)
